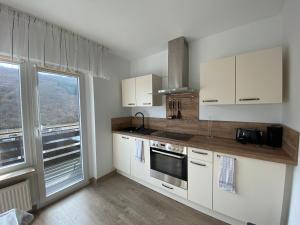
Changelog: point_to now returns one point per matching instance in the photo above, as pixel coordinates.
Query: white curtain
(26, 37)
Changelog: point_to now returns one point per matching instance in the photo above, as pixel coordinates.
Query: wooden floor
(119, 200)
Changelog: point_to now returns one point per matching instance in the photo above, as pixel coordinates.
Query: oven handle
(168, 154)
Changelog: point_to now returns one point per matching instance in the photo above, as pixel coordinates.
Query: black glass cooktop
(172, 135)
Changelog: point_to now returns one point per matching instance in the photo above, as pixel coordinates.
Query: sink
(144, 131)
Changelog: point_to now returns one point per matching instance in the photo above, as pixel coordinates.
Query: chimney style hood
(178, 67)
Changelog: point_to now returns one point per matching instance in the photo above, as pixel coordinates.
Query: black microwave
(253, 136)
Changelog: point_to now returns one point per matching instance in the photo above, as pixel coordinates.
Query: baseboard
(103, 178)
(201, 209)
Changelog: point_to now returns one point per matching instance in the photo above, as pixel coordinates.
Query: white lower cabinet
(169, 187)
(259, 191)
(260, 185)
(200, 182)
(122, 146)
(141, 170)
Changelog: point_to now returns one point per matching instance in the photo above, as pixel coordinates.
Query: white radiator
(15, 196)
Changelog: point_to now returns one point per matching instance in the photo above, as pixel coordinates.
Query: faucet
(143, 124)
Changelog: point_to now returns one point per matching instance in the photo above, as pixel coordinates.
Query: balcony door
(59, 132)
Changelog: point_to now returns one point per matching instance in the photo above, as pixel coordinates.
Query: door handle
(147, 103)
(125, 137)
(201, 153)
(198, 164)
(166, 186)
(168, 154)
(37, 132)
(131, 103)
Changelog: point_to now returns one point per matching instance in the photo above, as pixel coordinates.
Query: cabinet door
(122, 146)
(259, 77)
(144, 91)
(259, 191)
(217, 82)
(128, 92)
(200, 182)
(141, 170)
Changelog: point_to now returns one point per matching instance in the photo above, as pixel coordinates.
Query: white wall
(262, 34)
(291, 107)
(107, 104)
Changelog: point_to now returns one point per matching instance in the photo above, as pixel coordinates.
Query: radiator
(15, 196)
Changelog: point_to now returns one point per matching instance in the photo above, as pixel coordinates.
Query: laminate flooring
(119, 200)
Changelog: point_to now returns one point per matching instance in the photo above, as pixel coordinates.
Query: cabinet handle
(248, 99)
(211, 100)
(125, 137)
(166, 186)
(131, 103)
(147, 103)
(201, 153)
(198, 164)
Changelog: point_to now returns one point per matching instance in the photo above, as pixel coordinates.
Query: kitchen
(186, 156)
(196, 126)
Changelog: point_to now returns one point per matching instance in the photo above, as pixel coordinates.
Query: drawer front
(200, 154)
(169, 187)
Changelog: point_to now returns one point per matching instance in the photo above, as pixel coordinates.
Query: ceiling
(135, 28)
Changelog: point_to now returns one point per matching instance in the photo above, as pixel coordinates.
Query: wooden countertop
(227, 146)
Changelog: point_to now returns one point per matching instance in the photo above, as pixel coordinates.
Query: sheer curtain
(26, 37)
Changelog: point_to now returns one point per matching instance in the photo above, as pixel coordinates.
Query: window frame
(26, 125)
(43, 198)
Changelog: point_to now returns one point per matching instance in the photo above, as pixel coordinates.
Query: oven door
(169, 167)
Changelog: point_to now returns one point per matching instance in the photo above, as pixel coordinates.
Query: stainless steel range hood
(178, 67)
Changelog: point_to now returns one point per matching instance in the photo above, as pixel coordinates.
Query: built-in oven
(169, 163)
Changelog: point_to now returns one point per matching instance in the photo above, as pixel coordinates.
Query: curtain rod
(57, 70)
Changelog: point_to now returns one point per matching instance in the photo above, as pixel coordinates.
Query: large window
(11, 125)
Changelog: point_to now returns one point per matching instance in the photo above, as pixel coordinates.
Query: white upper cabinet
(250, 78)
(146, 90)
(142, 91)
(259, 77)
(217, 82)
(128, 92)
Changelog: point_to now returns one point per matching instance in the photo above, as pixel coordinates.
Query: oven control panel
(168, 147)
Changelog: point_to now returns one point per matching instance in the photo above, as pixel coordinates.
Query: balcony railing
(61, 154)
(11, 147)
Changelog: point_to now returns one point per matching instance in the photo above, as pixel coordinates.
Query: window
(11, 123)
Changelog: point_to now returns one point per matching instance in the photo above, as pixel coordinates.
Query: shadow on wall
(286, 74)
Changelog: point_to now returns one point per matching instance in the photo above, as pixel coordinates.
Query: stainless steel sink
(144, 131)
